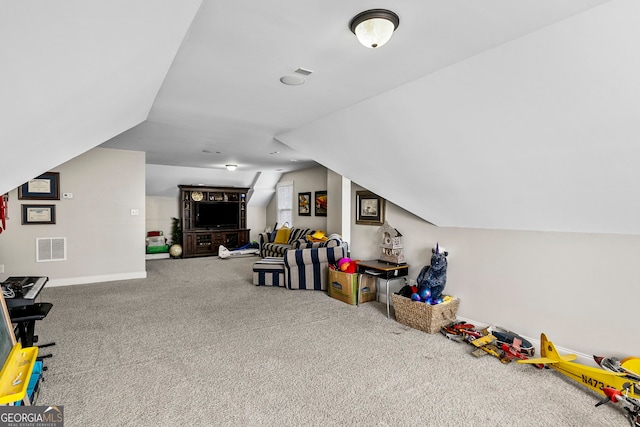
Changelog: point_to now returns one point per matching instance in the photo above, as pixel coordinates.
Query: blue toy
(433, 277)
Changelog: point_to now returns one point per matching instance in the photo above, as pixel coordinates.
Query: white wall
(159, 214)
(580, 289)
(160, 210)
(256, 221)
(306, 180)
(338, 197)
(104, 241)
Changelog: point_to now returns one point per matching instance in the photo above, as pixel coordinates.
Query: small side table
(383, 270)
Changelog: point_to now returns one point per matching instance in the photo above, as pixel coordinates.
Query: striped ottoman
(269, 272)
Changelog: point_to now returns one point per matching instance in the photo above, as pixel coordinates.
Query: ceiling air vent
(51, 249)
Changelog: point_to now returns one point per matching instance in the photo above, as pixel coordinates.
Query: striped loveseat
(297, 240)
(309, 268)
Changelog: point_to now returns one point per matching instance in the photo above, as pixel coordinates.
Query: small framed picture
(44, 187)
(38, 214)
(369, 208)
(321, 203)
(304, 204)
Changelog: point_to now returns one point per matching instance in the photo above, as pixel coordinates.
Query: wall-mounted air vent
(51, 249)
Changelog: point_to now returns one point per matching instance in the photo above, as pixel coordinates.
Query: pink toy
(347, 265)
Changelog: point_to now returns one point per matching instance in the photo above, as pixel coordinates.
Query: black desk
(25, 290)
(20, 293)
(383, 270)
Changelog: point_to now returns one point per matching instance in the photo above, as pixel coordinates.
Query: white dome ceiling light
(374, 27)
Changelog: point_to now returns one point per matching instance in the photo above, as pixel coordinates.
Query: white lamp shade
(374, 32)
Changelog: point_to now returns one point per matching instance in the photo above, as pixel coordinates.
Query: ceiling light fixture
(374, 27)
(231, 167)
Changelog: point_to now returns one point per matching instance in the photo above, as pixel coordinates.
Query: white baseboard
(96, 279)
(162, 255)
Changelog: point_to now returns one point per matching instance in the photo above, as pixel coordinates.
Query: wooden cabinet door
(243, 237)
(188, 244)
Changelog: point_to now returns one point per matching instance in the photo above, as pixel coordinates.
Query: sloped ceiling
(493, 114)
(540, 133)
(76, 73)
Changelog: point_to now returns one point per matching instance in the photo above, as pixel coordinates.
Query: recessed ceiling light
(231, 167)
(292, 80)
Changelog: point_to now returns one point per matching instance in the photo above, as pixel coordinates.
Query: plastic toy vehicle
(507, 337)
(603, 381)
(486, 345)
(593, 378)
(630, 405)
(628, 366)
(225, 253)
(512, 352)
(460, 332)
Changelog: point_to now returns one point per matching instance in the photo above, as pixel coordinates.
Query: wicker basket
(425, 317)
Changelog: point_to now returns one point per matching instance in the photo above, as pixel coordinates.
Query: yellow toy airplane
(594, 378)
(486, 345)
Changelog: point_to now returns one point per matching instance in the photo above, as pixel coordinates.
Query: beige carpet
(196, 344)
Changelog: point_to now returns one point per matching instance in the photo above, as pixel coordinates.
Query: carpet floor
(196, 344)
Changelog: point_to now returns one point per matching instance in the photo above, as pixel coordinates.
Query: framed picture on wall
(321, 203)
(44, 187)
(38, 214)
(369, 208)
(304, 204)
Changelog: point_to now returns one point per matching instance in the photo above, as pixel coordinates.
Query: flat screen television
(220, 215)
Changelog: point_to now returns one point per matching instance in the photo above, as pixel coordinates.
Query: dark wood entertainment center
(212, 216)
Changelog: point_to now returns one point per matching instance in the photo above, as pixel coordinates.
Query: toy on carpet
(616, 386)
(461, 332)
(505, 345)
(513, 340)
(246, 250)
(629, 365)
(432, 278)
(629, 404)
